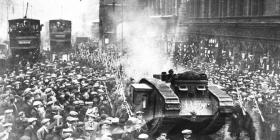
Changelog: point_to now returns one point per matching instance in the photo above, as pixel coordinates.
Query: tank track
(161, 125)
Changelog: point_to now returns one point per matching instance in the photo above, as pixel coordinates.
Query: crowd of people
(54, 100)
(84, 98)
(254, 90)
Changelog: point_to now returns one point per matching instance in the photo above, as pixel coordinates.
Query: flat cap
(44, 121)
(7, 124)
(71, 119)
(57, 116)
(8, 111)
(36, 103)
(31, 120)
(73, 113)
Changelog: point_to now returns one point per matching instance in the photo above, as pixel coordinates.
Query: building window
(206, 8)
(198, 8)
(163, 7)
(214, 8)
(223, 8)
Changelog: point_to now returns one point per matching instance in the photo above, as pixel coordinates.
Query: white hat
(100, 90)
(44, 121)
(31, 119)
(67, 130)
(187, 131)
(143, 136)
(8, 111)
(57, 116)
(36, 103)
(7, 124)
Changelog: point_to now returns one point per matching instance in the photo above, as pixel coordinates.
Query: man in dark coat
(7, 133)
(30, 130)
(43, 131)
(27, 106)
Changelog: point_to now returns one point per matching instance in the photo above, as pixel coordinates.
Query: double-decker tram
(60, 35)
(25, 38)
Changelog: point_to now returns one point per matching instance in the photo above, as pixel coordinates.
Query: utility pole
(122, 29)
(7, 6)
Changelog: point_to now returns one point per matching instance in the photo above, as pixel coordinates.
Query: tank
(174, 102)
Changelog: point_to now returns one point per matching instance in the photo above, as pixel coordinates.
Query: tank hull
(174, 125)
(187, 102)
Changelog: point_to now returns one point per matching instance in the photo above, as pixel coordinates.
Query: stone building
(246, 30)
(236, 31)
(113, 13)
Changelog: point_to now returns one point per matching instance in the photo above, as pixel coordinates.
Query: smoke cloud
(145, 56)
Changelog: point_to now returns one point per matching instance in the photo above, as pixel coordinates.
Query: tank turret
(173, 102)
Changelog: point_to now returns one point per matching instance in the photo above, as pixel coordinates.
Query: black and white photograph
(139, 69)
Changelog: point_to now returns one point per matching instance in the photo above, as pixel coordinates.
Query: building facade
(242, 30)
(226, 31)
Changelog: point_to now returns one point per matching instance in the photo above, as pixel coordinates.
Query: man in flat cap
(9, 117)
(7, 133)
(30, 130)
(38, 110)
(72, 124)
(27, 105)
(43, 131)
(20, 123)
(187, 134)
(91, 126)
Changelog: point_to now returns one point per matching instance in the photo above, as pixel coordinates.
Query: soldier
(141, 121)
